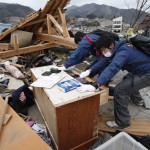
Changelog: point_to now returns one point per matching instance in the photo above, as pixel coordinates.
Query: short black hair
(104, 41)
(78, 37)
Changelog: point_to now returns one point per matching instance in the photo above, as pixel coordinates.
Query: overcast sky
(36, 4)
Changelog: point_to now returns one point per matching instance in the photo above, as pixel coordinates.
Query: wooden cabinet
(71, 117)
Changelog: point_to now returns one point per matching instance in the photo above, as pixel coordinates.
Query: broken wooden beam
(26, 20)
(49, 26)
(34, 22)
(57, 25)
(64, 24)
(5, 46)
(59, 40)
(15, 42)
(3, 34)
(26, 50)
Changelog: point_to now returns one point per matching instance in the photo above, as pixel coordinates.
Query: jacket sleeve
(117, 63)
(93, 63)
(79, 54)
(100, 65)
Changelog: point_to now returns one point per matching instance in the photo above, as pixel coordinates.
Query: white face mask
(108, 54)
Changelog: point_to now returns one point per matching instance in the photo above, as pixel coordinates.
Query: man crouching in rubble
(122, 57)
(84, 50)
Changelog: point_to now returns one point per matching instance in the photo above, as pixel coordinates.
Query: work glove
(85, 74)
(62, 68)
(86, 88)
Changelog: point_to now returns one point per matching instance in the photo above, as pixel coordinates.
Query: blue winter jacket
(122, 58)
(84, 50)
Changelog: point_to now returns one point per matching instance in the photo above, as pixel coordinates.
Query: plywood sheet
(17, 135)
(138, 126)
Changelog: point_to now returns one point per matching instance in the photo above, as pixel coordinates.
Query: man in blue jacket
(127, 58)
(84, 49)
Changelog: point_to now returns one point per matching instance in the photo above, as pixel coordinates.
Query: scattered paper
(2, 76)
(47, 81)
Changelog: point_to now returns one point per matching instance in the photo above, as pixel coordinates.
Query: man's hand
(85, 73)
(86, 88)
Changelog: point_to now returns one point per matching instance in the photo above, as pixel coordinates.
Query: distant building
(15, 19)
(105, 22)
(81, 19)
(117, 25)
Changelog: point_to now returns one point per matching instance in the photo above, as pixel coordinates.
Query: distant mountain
(9, 10)
(102, 11)
(72, 7)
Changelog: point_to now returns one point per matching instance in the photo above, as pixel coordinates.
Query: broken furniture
(17, 135)
(71, 117)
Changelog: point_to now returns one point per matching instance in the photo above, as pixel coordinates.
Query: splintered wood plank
(69, 42)
(64, 24)
(42, 15)
(61, 6)
(55, 6)
(15, 42)
(138, 126)
(57, 25)
(17, 135)
(53, 10)
(5, 46)
(49, 26)
(34, 22)
(49, 5)
(3, 34)
(26, 50)
(26, 20)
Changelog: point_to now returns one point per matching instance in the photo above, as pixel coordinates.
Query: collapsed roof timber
(48, 26)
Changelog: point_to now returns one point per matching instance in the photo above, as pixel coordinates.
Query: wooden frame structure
(49, 29)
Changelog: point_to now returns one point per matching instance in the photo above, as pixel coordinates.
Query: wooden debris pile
(38, 31)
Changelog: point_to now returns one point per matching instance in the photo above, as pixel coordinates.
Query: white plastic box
(121, 141)
(24, 38)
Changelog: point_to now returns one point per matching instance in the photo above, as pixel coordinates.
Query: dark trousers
(126, 90)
